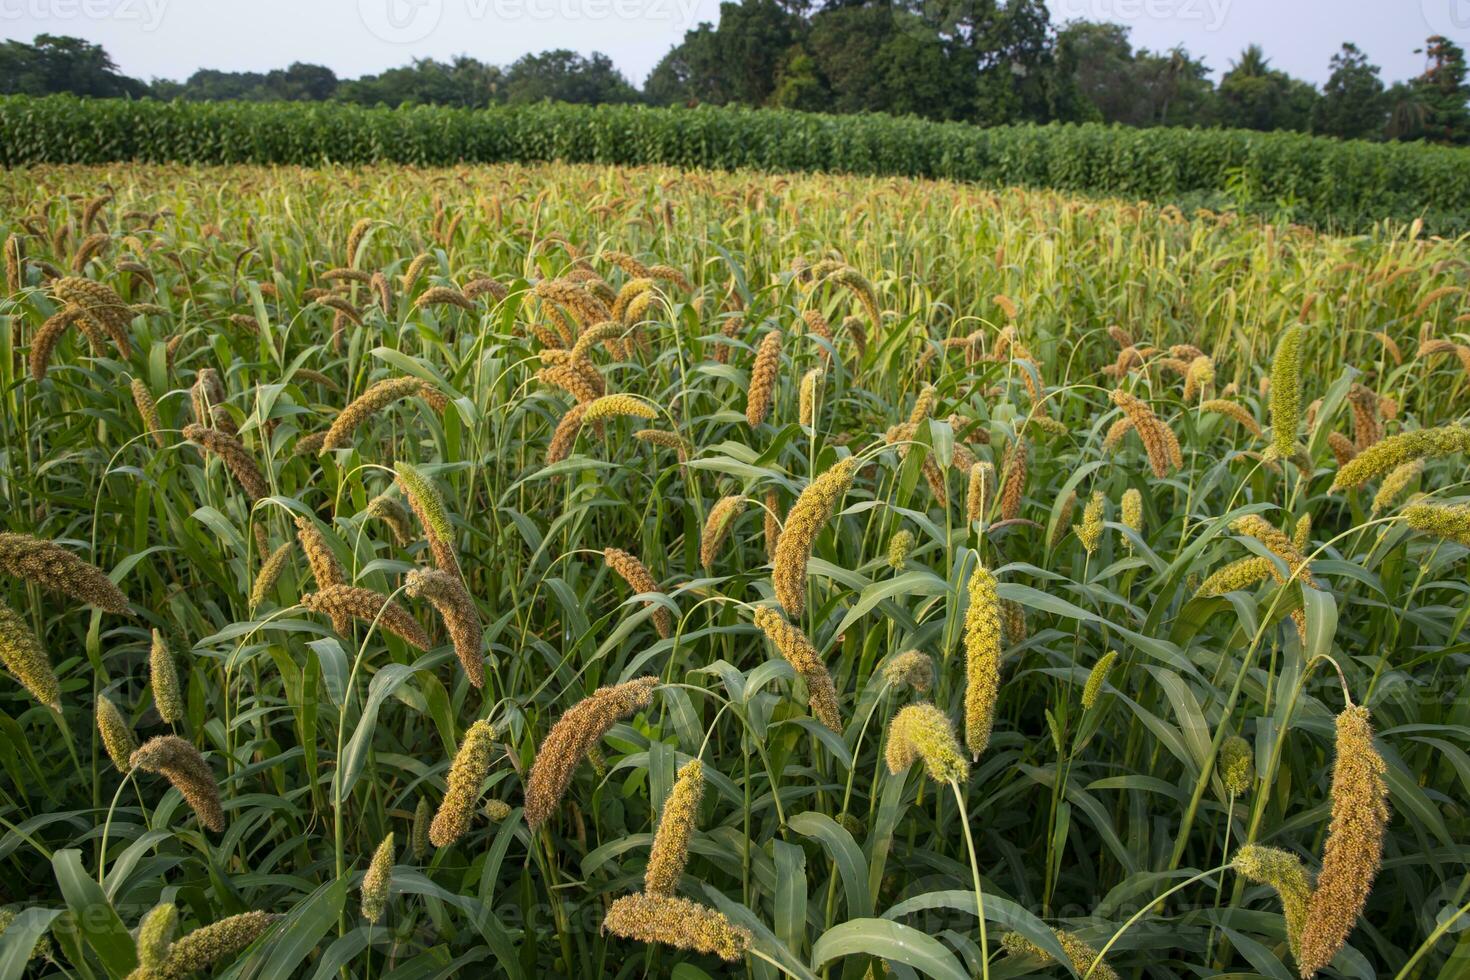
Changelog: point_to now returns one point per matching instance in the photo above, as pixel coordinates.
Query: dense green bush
(1346, 185)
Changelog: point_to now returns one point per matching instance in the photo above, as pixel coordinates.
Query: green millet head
(1237, 765)
(24, 658)
(116, 733)
(164, 676)
(376, 880)
(922, 732)
(156, 935)
(1097, 677)
(1282, 871)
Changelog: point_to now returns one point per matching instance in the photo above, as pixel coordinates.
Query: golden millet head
(1353, 851)
(610, 406)
(116, 733)
(1240, 574)
(1381, 457)
(922, 732)
(676, 827)
(1394, 485)
(1133, 509)
(910, 668)
(1237, 765)
(793, 645)
(676, 922)
(1091, 529)
(1286, 392)
(805, 521)
(182, 765)
(375, 881)
(982, 660)
(568, 742)
(722, 517)
(496, 810)
(53, 567)
(466, 774)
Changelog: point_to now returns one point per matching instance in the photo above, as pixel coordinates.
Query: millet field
(573, 571)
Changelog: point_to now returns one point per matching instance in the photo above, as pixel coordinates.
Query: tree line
(988, 62)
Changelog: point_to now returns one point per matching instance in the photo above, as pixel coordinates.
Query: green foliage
(1328, 183)
(1353, 104)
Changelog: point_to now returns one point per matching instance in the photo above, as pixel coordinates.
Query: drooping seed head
(23, 656)
(181, 764)
(1283, 872)
(910, 668)
(198, 950)
(455, 606)
(466, 774)
(53, 567)
(922, 732)
(808, 516)
(569, 740)
(156, 935)
(722, 517)
(676, 922)
(798, 651)
(1353, 851)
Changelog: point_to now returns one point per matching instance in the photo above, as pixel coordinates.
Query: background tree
(1443, 92)
(565, 76)
(52, 64)
(1255, 96)
(1353, 104)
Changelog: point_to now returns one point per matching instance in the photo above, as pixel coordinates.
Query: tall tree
(1253, 95)
(1353, 104)
(565, 76)
(738, 61)
(56, 63)
(1443, 92)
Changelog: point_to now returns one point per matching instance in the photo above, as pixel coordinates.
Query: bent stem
(1144, 910)
(975, 874)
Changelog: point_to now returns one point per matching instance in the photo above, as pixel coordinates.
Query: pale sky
(171, 38)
